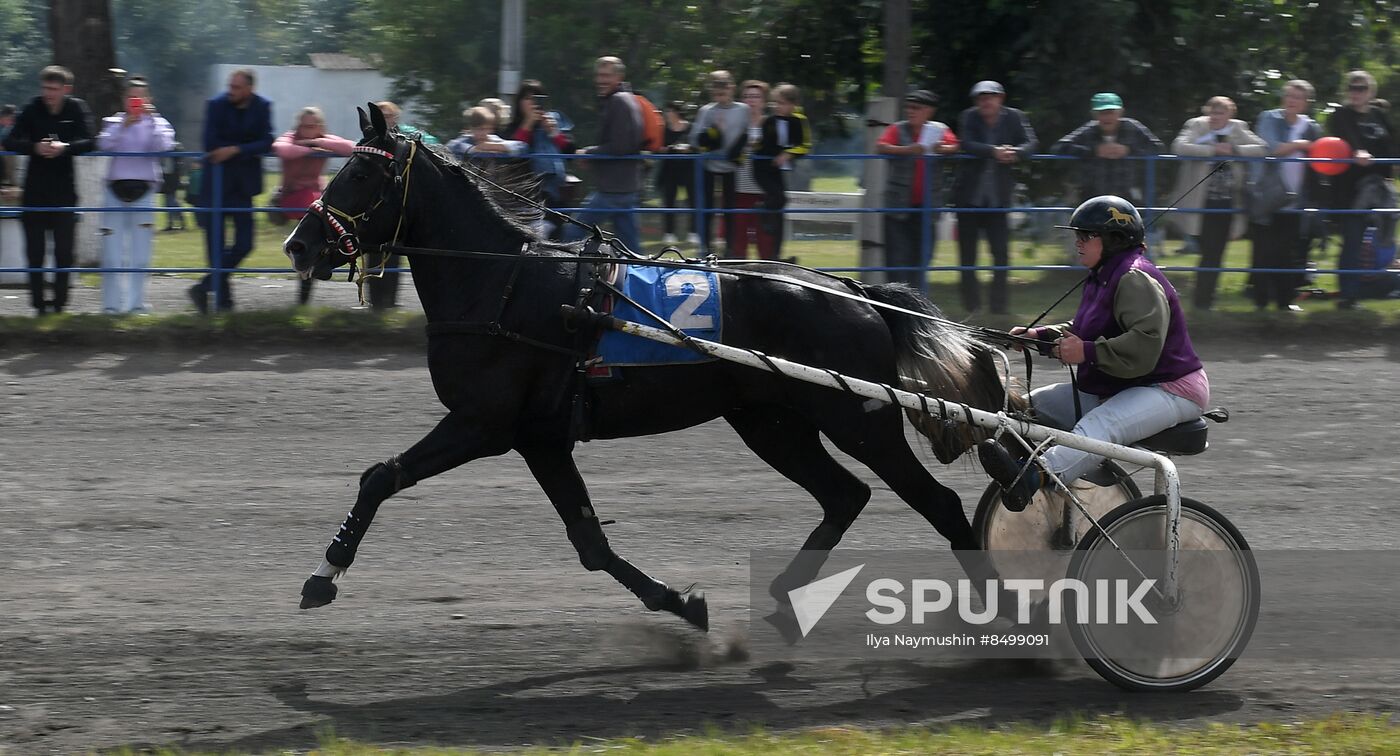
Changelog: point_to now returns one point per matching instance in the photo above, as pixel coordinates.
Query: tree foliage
(24, 48)
(173, 42)
(1164, 56)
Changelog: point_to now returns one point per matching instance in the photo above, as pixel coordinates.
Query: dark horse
(514, 386)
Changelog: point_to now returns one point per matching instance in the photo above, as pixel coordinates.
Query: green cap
(1106, 101)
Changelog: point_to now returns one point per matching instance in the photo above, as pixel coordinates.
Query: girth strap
(494, 329)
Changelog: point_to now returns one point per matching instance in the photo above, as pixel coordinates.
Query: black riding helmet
(1114, 219)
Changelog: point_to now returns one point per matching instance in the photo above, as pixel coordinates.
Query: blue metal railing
(701, 212)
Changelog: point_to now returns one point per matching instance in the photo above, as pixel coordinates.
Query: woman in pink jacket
(303, 152)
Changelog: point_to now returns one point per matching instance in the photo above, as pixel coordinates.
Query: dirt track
(158, 513)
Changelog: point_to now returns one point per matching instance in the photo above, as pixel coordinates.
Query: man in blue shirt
(237, 133)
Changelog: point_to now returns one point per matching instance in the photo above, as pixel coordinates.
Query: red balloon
(1330, 147)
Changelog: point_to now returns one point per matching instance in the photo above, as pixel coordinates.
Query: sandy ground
(166, 294)
(159, 511)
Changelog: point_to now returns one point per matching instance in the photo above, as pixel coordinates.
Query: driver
(1138, 373)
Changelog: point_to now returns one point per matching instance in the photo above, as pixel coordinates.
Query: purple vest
(1095, 319)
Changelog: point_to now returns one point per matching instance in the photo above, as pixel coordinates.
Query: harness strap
(368, 150)
(494, 329)
(402, 181)
(506, 291)
(990, 334)
(1030, 371)
(494, 326)
(1074, 388)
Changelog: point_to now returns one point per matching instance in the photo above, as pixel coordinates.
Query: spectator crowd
(750, 134)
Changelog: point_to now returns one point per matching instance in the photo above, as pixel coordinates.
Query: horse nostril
(294, 247)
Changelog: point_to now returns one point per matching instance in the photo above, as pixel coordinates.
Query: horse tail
(935, 357)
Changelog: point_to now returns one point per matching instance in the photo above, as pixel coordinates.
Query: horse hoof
(317, 591)
(696, 611)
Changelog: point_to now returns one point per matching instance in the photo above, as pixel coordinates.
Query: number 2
(684, 316)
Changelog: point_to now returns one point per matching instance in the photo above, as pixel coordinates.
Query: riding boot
(1019, 482)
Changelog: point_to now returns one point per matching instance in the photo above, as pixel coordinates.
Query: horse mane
(506, 187)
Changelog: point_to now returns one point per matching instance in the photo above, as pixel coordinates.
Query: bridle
(345, 227)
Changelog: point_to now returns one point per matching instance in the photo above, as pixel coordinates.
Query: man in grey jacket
(616, 183)
(718, 127)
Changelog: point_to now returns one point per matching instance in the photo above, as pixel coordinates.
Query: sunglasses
(1084, 236)
(1359, 88)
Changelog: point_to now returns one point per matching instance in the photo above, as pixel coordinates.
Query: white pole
(873, 174)
(512, 49)
(1167, 481)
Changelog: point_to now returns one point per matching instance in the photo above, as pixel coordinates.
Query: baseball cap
(1106, 101)
(923, 97)
(987, 87)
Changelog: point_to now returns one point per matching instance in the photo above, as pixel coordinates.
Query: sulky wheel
(1198, 633)
(1039, 541)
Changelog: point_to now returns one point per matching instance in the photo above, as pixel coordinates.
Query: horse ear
(366, 127)
(376, 117)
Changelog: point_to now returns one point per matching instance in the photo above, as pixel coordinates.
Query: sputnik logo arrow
(811, 601)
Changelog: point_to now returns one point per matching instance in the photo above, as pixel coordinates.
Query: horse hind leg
(792, 445)
(881, 446)
(557, 474)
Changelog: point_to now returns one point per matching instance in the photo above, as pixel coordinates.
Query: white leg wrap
(327, 570)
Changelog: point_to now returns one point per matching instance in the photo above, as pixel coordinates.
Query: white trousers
(1123, 418)
(127, 240)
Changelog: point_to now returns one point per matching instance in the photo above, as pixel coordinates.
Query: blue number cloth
(689, 299)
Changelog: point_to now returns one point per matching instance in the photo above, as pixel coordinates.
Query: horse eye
(357, 176)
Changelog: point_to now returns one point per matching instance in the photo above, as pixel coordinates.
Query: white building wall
(291, 88)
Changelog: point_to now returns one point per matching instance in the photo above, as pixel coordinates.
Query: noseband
(347, 239)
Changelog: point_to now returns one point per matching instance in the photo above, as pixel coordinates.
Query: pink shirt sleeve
(284, 148)
(338, 145)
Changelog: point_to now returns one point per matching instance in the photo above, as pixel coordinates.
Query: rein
(988, 333)
(347, 242)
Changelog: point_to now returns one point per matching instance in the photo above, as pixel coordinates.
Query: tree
(81, 31)
(24, 49)
(172, 42)
(441, 54)
(1164, 56)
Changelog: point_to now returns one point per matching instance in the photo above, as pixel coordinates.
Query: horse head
(362, 206)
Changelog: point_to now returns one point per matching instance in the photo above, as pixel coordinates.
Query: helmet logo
(1118, 216)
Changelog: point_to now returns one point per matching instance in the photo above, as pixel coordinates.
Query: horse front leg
(557, 474)
(455, 441)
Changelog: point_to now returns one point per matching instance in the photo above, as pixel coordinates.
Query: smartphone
(1221, 137)
(135, 105)
(541, 101)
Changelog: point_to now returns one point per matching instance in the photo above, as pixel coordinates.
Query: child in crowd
(480, 137)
